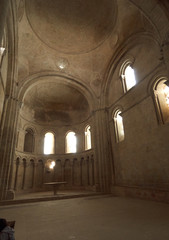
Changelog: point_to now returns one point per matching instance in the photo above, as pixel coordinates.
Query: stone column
(103, 156)
(81, 165)
(34, 176)
(7, 143)
(92, 162)
(17, 162)
(87, 169)
(4, 4)
(63, 170)
(25, 164)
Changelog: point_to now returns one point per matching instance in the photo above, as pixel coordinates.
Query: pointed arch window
(49, 143)
(71, 142)
(88, 144)
(119, 128)
(128, 77)
(29, 141)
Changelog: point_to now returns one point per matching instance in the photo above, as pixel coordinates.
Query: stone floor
(60, 194)
(48, 196)
(90, 218)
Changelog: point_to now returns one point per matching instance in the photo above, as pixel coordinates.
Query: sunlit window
(2, 50)
(71, 142)
(161, 94)
(87, 138)
(166, 94)
(119, 128)
(128, 77)
(49, 143)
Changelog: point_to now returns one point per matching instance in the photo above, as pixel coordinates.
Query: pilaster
(7, 143)
(103, 156)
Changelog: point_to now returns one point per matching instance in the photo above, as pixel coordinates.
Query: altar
(55, 185)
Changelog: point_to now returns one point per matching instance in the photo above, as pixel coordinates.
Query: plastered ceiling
(76, 39)
(55, 104)
(72, 27)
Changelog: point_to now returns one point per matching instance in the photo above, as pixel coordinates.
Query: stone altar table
(55, 185)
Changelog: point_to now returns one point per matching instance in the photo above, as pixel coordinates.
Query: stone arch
(34, 79)
(159, 97)
(123, 55)
(29, 140)
(152, 10)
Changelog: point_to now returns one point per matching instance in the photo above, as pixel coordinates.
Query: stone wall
(31, 171)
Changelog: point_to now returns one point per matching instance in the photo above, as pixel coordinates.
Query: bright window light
(49, 143)
(71, 142)
(129, 77)
(87, 138)
(119, 127)
(166, 93)
(2, 49)
(52, 165)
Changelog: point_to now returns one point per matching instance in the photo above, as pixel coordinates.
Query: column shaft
(3, 13)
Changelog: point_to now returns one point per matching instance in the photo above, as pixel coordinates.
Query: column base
(10, 195)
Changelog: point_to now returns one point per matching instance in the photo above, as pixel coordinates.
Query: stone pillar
(7, 143)
(80, 142)
(34, 176)
(88, 174)
(81, 164)
(103, 156)
(63, 171)
(3, 13)
(92, 162)
(72, 172)
(17, 162)
(24, 173)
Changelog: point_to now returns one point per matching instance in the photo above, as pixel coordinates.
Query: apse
(49, 103)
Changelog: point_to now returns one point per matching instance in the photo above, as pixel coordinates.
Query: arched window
(161, 94)
(88, 144)
(70, 142)
(128, 77)
(29, 141)
(2, 47)
(119, 128)
(49, 143)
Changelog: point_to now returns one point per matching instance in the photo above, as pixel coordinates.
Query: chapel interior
(84, 97)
